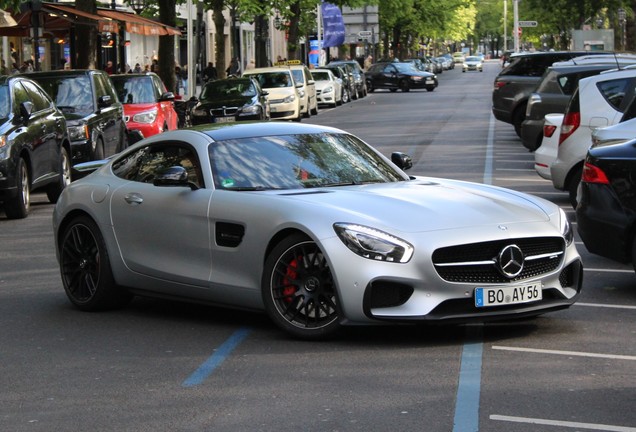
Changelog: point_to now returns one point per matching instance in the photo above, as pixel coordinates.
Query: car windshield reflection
(296, 162)
(134, 90)
(227, 88)
(405, 67)
(5, 105)
(71, 94)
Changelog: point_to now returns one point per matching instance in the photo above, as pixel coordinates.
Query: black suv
(516, 81)
(33, 145)
(552, 96)
(94, 114)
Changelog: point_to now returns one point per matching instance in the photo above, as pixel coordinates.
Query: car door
(162, 231)
(110, 115)
(390, 76)
(311, 88)
(166, 106)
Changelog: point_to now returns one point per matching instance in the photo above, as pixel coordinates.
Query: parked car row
(585, 108)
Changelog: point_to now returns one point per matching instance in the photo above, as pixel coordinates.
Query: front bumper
(532, 133)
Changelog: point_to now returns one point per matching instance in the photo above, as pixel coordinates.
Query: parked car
(515, 83)
(328, 87)
(148, 105)
(348, 86)
(399, 75)
(552, 96)
(94, 114)
(473, 63)
(283, 94)
(547, 152)
(599, 101)
(606, 213)
(34, 145)
(359, 77)
(625, 129)
(311, 225)
(230, 100)
(302, 76)
(458, 57)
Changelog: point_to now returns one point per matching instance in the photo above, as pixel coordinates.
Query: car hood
(131, 109)
(219, 103)
(430, 204)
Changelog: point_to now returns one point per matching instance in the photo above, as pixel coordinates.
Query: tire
(54, 190)
(85, 268)
(298, 289)
(573, 185)
(404, 86)
(430, 89)
(315, 110)
(393, 90)
(354, 96)
(345, 96)
(518, 117)
(17, 207)
(370, 88)
(634, 253)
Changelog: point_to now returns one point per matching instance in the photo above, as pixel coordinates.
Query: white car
(622, 131)
(547, 151)
(283, 93)
(328, 87)
(473, 63)
(598, 102)
(308, 101)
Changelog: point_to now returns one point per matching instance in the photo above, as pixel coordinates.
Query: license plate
(273, 109)
(502, 296)
(225, 119)
(429, 81)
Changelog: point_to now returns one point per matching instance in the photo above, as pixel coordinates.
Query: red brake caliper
(290, 276)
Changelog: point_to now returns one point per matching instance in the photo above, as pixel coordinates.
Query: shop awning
(105, 25)
(138, 24)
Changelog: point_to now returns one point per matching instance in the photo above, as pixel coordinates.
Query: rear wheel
(370, 88)
(573, 185)
(85, 268)
(17, 207)
(55, 189)
(518, 117)
(298, 289)
(99, 150)
(430, 88)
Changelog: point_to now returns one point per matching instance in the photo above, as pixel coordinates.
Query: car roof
(66, 72)
(256, 129)
(267, 69)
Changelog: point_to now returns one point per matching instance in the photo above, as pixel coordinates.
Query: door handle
(133, 198)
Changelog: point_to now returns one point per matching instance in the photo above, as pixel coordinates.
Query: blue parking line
(216, 359)
(469, 388)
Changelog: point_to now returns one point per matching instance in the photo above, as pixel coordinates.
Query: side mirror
(265, 93)
(173, 176)
(104, 101)
(402, 160)
(167, 96)
(26, 108)
(134, 136)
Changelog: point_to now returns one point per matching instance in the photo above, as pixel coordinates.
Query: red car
(148, 106)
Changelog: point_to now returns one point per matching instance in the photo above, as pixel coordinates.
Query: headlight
(373, 244)
(252, 109)
(566, 228)
(146, 117)
(327, 89)
(289, 99)
(301, 93)
(77, 133)
(197, 111)
(3, 141)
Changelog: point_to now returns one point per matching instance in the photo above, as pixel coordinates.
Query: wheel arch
(278, 237)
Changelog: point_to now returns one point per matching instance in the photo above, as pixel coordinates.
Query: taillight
(499, 84)
(593, 174)
(571, 122)
(548, 130)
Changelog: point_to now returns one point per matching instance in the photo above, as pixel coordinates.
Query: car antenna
(618, 65)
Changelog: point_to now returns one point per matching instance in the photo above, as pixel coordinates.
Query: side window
(100, 89)
(39, 99)
(20, 95)
(144, 164)
(614, 91)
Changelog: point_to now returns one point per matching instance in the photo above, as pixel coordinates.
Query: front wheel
(18, 206)
(430, 88)
(55, 189)
(298, 289)
(85, 268)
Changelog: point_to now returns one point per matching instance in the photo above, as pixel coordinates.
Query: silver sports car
(313, 226)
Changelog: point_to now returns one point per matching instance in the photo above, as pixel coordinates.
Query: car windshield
(273, 79)
(298, 76)
(72, 94)
(473, 59)
(5, 104)
(405, 67)
(224, 89)
(296, 162)
(134, 90)
(320, 76)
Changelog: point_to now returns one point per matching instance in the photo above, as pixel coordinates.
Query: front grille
(477, 262)
(224, 111)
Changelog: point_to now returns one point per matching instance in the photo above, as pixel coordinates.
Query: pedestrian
(137, 68)
(177, 74)
(233, 69)
(368, 62)
(209, 73)
(109, 67)
(251, 65)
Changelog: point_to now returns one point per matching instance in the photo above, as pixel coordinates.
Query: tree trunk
(262, 35)
(293, 51)
(168, 16)
(219, 37)
(85, 37)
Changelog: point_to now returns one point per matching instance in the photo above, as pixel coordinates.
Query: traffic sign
(365, 33)
(527, 23)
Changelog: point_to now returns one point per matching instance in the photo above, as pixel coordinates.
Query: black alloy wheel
(299, 291)
(85, 268)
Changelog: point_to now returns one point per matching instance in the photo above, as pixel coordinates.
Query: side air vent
(229, 234)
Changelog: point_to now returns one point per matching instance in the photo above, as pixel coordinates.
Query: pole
(319, 35)
(516, 25)
(505, 13)
(191, 81)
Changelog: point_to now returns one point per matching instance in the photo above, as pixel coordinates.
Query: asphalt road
(165, 366)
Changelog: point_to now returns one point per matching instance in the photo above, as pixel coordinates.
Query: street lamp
(137, 5)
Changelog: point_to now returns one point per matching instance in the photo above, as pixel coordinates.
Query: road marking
(469, 386)
(216, 359)
(566, 353)
(590, 426)
(517, 179)
(605, 306)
